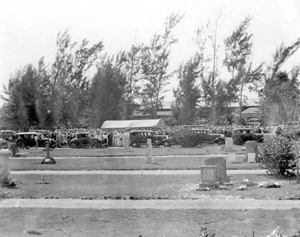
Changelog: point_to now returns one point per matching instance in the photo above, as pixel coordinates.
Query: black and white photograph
(161, 118)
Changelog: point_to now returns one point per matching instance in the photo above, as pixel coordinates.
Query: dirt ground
(147, 223)
(144, 187)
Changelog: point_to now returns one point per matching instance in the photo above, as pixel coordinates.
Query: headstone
(126, 141)
(228, 144)
(220, 163)
(222, 147)
(208, 176)
(231, 157)
(251, 157)
(5, 175)
(251, 147)
(149, 154)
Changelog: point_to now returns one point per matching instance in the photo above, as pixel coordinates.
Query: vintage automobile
(8, 135)
(207, 136)
(3, 144)
(242, 135)
(139, 137)
(83, 140)
(27, 140)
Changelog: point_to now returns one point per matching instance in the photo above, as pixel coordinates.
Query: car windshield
(82, 135)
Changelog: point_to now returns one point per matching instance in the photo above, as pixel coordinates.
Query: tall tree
(238, 60)
(188, 93)
(69, 79)
(106, 94)
(129, 63)
(155, 62)
(208, 44)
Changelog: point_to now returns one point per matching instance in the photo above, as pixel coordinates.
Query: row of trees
(63, 94)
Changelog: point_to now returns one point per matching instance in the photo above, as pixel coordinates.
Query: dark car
(83, 140)
(242, 135)
(207, 136)
(27, 139)
(8, 135)
(3, 144)
(139, 137)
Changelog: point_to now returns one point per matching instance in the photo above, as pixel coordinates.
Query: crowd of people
(113, 137)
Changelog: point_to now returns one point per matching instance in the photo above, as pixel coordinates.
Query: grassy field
(148, 223)
(120, 151)
(143, 187)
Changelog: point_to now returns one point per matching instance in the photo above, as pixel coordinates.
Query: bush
(278, 156)
(185, 138)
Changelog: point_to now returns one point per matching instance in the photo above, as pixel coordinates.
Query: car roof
(28, 133)
(141, 131)
(8, 131)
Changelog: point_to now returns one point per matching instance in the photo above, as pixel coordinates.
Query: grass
(148, 223)
(143, 187)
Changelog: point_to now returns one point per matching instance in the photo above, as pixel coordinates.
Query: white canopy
(131, 124)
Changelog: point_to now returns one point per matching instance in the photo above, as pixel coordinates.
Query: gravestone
(231, 157)
(149, 154)
(220, 163)
(5, 175)
(251, 147)
(208, 176)
(251, 157)
(228, 144)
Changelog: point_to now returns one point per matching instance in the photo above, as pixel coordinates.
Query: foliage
(187, 94)
(207, 41)
(185, 138)
(238, 48)
(129, 63)
(277, 155)
(205, 233)
(68, 77)
(155, 61)
(106, 93)
(280, 89)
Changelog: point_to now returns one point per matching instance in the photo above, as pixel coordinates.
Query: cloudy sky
(29, 28)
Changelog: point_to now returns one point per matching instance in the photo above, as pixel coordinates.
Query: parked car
(139, 137)
(83, 140)
(242, 135)
(207, 136)
(8, 135)
(27, 139)
(3, 144)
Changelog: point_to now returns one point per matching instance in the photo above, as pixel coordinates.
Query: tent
(131, 124)
(251, 113)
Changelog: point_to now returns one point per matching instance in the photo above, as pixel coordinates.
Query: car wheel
(238, 141)
(134, 144)
(73, 145)
(167, 144)
(20, 145)
(221, 142)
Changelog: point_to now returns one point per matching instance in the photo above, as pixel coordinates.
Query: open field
(133, 187)
(148, 223)
(113, 163)
(117, 151)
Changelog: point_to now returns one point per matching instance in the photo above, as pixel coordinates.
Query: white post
(149, 154)
(5, 176)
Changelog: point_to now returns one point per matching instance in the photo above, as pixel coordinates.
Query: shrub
(185, 138)
(277, 155)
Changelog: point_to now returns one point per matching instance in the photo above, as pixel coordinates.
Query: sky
(28, 29)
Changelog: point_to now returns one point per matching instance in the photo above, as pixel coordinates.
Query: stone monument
(5, 175)
(220, 163)
(251, 147)
(208, 176)
(228, 144)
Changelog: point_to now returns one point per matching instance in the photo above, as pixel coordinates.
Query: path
(129, 172)
(238, 204)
